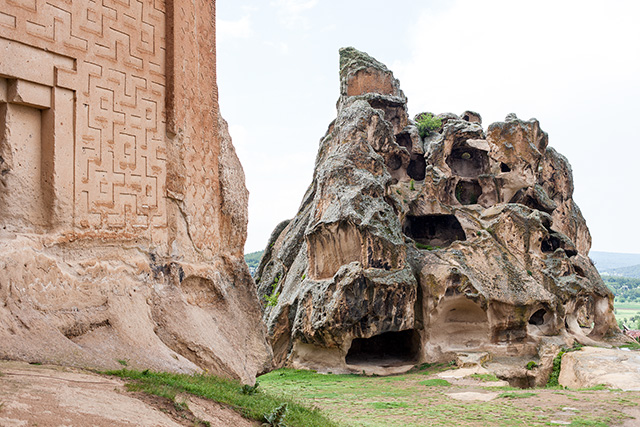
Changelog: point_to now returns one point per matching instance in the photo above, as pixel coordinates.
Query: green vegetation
(557, 363)
(484, 377)
(261, 406)
(435, 382)
(412, 185)
(253, 259)
(531, 365)
(632, 271)
(627, 313)
(389, 405)
(272, 299)
(420, 398)
(516, 395)
(427, 123)
(626, 289)
(122, 362)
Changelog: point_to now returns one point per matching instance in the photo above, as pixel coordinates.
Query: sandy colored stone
(591, 366)
(123, 206)
(411, 248)
(470, 396)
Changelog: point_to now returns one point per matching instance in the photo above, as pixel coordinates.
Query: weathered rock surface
(592, 366)
(414, 249)
(123, 207)
(54, 396)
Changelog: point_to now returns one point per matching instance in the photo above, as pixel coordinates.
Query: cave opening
(468, 192)
(504, 167)
(385, 349)
(417, 169)
(433, 230)
(403, 139)
(468, 162)
(522, 197)
(537, 318)
(550, 243)
(553, 241)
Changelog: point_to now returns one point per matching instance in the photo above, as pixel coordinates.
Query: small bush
(427, 124)
(531, 365)
(250, 389)
(276, 417)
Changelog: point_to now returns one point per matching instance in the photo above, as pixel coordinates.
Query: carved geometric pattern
(193, 117)
(119, 82)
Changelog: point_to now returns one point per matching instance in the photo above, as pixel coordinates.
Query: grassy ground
(252, 403)
(421, 398)
(626, 310)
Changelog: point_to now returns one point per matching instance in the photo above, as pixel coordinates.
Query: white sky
(574, 65)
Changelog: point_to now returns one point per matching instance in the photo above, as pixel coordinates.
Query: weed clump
(557, 364)
(427, 123)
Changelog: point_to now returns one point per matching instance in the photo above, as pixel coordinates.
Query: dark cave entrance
(468, 192)
(433, 230)
(403, 139)
(385, 349)
(537, 318)
(417, 169)
(553, 241)
(468, 162)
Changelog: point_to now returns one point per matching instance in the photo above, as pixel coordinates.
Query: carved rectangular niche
(36, 141)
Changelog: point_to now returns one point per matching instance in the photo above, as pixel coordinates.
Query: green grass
(626, 310)
(229, 392)
(631, 345)
(435, 382)
(484, 377)
(516, 395)
(389, 405)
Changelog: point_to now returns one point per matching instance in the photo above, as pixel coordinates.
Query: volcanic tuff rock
(414, 249)
(123, 208)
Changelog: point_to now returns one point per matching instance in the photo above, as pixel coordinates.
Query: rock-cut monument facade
(123, 208)
(456, 243)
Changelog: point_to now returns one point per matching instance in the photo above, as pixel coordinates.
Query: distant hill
(625, 289)
(253, 260)
(631, 271)
(606, 261)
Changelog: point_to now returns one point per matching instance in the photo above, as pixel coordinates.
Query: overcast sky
(573, 65)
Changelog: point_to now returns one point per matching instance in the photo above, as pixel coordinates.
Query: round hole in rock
(537, 318)
(417, 169)
(387, 349)
(394, 162)
(433, 230)
(467, 161)
(404, 140)
(468, 192)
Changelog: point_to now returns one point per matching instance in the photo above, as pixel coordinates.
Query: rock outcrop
(411, 248)
(593, 366)
(123, 208)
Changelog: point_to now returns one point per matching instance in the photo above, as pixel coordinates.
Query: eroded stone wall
(117, 173)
